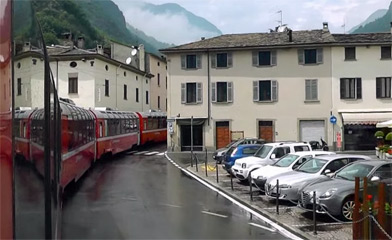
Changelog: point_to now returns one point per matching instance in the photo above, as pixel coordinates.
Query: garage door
(312, 130)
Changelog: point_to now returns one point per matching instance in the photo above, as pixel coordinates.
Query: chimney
(100, 49)
(290, 33)
(142, 58)
(26, 47)
(325, 27)
(67, 39)
(81, 42)
(203, 38)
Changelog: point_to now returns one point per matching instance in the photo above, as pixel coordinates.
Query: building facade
(277, 86)
(157, 66)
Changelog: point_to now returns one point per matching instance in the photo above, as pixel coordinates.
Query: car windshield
(230, 144)
(263, 151)
(312, 165)
(286, 160)
(354, 170)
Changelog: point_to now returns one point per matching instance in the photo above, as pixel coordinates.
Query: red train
(86, 135)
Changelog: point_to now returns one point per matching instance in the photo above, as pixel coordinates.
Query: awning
(187, 121)
(386, 124)
(370, 118)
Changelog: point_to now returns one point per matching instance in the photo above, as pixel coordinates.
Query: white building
(157, 66)
(276, 86)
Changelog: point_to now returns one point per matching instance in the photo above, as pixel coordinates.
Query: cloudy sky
(246, 16)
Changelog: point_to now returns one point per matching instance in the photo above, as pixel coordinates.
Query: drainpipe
(209, 83)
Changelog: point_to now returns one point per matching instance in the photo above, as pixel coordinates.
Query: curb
(284, 229)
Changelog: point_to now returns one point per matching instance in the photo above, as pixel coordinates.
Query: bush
(388, 137)
(379, 134)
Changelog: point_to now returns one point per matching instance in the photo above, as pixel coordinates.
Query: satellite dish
(134, 52)
(129, 60)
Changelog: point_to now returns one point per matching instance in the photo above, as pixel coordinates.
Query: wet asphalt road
(139, 196)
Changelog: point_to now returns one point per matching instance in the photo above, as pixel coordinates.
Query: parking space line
(263, 227)
(170, 205)
(139, 153)
(160, 154)
(321, 224)
(151, 153)
(280, 207)
(214, 214)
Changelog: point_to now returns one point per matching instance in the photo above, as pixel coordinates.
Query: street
(142, 195)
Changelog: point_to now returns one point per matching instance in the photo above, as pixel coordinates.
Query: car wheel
(348, 209)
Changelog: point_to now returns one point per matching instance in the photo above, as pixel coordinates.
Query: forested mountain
(381, 24)
(374, 16)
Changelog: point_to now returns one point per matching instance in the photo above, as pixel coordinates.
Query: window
(222, 92)
(158, 64)
(281, 151)
(125, 92)
(350, 88)
(310, 56)
(159, 79)
(107, 88)
(19, 91)
(159, 102)
(384, 172)
(191, 61)
(264, 58)
(311, 91)
(349, 53)
(301, 148)
(222, 60)
(386, 52)
(137, 94)
(191, 93)
(166, 104)
(266, 90)
(72, 85)
(73, 64)
(166, 82)
(383, 87)
(146, 97)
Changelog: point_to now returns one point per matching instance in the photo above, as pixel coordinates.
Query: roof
(280, 39)
(336, 156)
(374, 162)
(286, 143)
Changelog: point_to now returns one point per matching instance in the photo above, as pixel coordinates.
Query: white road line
(139, 153)
(130, 153)
(214, 214)
(161, 154)
(263, 227)
(320, 224)
(280, 207)
(151, 153)
(170, 205)
(268, 221)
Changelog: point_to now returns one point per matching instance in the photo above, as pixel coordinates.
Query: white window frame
(214, 60)
(214, 92)
(184, 65)
(356, 92)
(199, 93)
(385, 81)
(311, 90)
(274, 91)
(319, 56)
(256, 58)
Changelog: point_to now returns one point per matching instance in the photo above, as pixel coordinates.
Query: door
(186, 138)
(266, 130)
(222, 134)
(312, 130)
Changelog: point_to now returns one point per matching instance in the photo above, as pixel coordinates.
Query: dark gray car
(336, 194)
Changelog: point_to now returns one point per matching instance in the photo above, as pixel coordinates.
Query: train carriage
(152, 127)
(22, 131)
(116, 131)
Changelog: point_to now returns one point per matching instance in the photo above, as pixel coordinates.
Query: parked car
(286, 164)
(268, 154)
(219, 154)
(239, 152)
(336, 194)
(291, 182)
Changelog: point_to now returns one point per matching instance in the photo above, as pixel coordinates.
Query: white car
(268, 154)
(286, 164)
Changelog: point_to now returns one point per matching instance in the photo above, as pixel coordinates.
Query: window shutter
(229, 60)
(319, 55)
(307, 89)
(255, 58)
(255, 91)
(213, 60)
(378, 87)
(314, 89)
(183, 92)
(213, 92)
(342, 88)
(359, 88)
(229, 91)
(198, 61)
(274, 90)
(301, 56)
(273, 58)
(183, 61)
(388, 87)
(199, 93)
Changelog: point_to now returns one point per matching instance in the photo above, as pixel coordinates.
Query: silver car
(291, 182)
(336, 194)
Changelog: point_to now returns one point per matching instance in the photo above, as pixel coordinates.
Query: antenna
(129, 60)
(281, 17)
(134, 52)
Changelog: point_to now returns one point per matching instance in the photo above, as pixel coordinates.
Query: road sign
(333, 119)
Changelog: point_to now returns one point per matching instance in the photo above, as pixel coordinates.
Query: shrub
(388, 137)
(379, 134)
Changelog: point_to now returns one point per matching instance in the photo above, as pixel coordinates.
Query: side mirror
(327, 171)
(375, 179)
(273, 156)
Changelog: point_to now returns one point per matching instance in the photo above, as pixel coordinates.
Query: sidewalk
(294, 219)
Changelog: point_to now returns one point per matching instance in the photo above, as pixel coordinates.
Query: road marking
(256, 214)
(161, 154)
(280, 207)
(139, 153)
(214, 214)
(171, 205)
(263, 227)
(151, 153)
(130, 153)
(320, 224)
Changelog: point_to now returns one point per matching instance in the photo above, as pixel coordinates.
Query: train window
(100, 130)
(145, 124)
(149, 124)
(155, 123)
